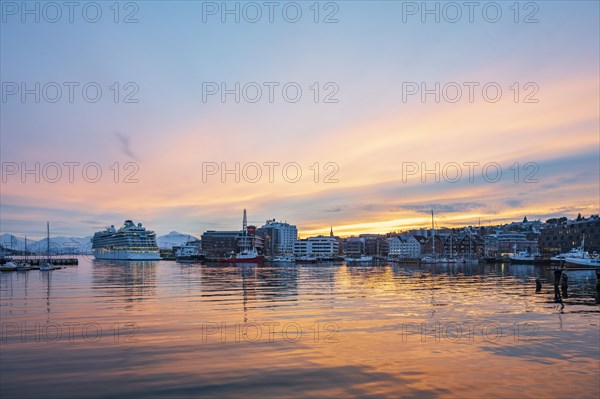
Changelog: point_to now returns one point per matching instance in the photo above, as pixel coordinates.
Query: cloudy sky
(358, 115)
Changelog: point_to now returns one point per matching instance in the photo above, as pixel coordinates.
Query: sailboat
(47, 265)
(432, 259)
(23, 265)
(9, 265)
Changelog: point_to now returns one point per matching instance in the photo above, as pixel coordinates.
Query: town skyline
(302, 234)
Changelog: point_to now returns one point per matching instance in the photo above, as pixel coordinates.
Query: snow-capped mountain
(76, 245)
(173, 239)
(58, 245)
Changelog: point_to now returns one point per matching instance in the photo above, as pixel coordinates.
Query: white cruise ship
(129, 242)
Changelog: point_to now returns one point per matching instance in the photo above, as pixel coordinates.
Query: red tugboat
(246, 255)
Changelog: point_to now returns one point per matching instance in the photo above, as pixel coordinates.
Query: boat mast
(451, 239)
(245, 231)
(48, 238)
(433, 234)
(470, 250)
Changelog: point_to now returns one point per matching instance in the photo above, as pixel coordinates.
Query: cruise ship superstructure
(130, 242)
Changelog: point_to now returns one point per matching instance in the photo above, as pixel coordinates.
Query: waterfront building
(375, 244)
(224, 243)
(560, 237)
(470, 246)
(404, 247)
(319, 247)
(440, 241)
(279, 237)
(220, 243)
(506, 242)
(354, 246)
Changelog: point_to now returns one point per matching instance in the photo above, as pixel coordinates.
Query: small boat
(361, 259)
(9, 266)
(591, 261)
(283, 259)
(244, 256)
(23, 265)
(248, 253)
(432, 260)
(188, 254)
(522, 256)
(306, 259)
(47, 265)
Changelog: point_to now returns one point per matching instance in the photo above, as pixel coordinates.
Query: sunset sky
(366, 61)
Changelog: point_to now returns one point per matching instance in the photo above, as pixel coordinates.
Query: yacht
(130, 242)
(591, 261)
(574, 253)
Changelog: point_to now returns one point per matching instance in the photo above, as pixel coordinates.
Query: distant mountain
(58, 245)
(9, 241)
(75, 245)
(173, 239)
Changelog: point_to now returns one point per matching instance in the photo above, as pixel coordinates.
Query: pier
(38, 261)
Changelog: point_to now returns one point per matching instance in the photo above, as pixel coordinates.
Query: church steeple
(331, 232)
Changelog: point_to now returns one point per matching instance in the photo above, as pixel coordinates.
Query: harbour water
(149, 329)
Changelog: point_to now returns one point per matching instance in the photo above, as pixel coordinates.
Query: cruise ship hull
(107, 254)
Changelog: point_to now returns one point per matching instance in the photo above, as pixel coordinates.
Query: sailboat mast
(470, 240)
(48, 240)
(451, 239)
(433, 234)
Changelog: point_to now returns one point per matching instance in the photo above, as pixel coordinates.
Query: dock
(39, 261)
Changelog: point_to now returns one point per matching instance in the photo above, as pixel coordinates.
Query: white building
(320, 247)
(287, 234)
(406, 247)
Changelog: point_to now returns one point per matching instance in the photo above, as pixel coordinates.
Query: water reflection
(124, 281)
(397, 327)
